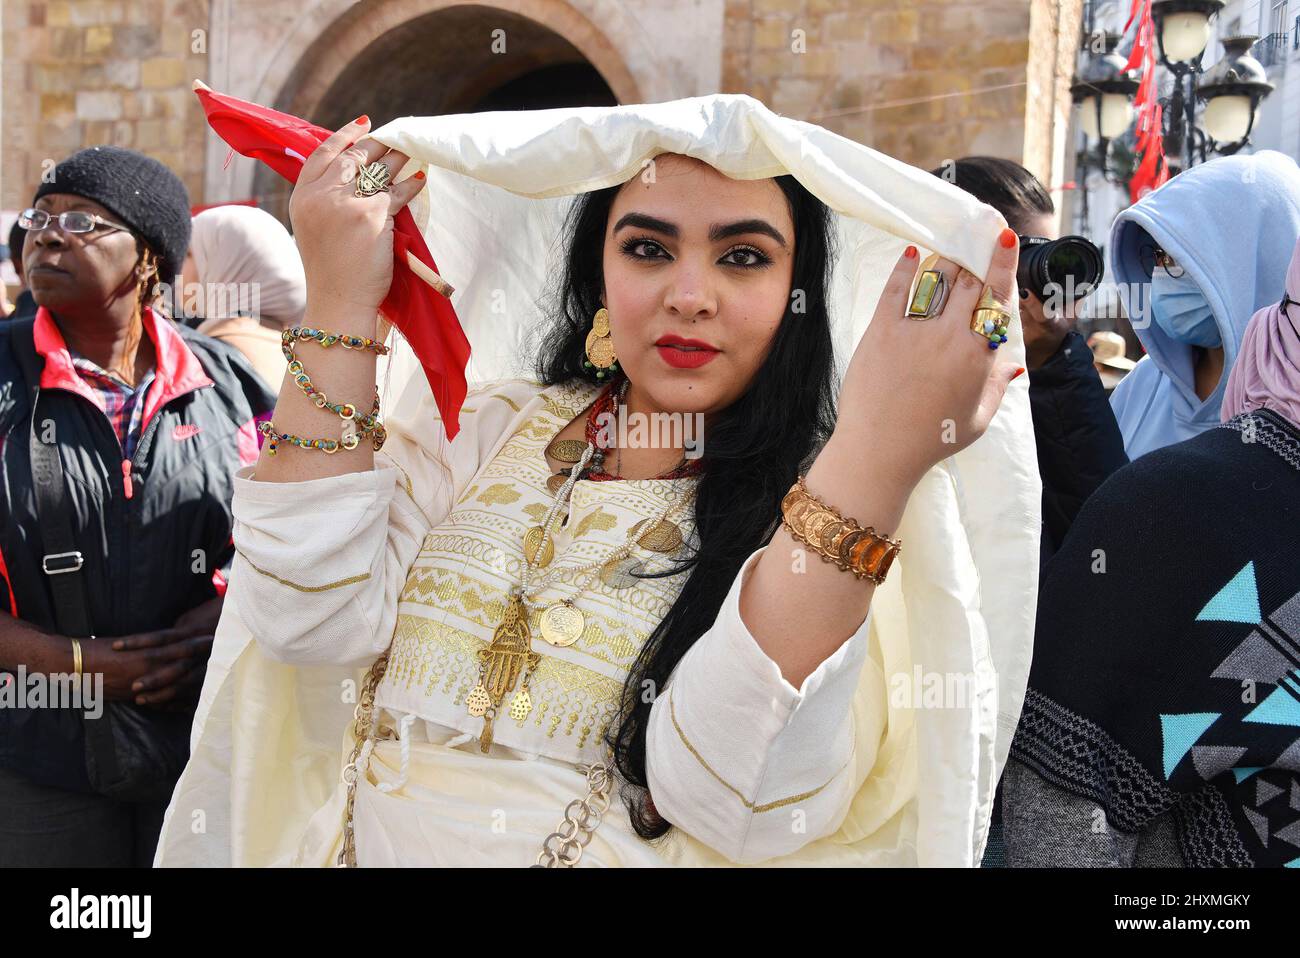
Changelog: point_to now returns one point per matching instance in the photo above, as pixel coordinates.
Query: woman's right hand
(346, 241)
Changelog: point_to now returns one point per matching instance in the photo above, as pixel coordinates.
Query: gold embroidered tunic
(456, 591)
(419, 557)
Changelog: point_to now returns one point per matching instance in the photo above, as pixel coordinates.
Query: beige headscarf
(251, 282)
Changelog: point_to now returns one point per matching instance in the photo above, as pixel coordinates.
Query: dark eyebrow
(716, 232)
(646, 222)
(746, 226)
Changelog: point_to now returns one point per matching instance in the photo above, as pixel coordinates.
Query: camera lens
(1071, 264)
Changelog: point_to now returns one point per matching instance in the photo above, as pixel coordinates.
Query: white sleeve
(313, 562)
(740, 759)
(319, 565)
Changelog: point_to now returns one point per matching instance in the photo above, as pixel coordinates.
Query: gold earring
(600, 345)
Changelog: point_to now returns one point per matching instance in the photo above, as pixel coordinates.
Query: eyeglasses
(1152, 256)
(73, 221)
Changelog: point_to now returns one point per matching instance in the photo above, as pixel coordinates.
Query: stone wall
(81, 72)
(924, 81)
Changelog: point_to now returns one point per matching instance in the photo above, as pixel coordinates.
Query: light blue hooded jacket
(1232, 224)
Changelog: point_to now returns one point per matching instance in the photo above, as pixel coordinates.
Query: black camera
(1072, 264)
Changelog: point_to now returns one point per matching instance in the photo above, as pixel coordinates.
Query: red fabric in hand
(424, 316)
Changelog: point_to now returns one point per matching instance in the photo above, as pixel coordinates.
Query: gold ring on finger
(930, 292)
(991, 319)
(373, 178)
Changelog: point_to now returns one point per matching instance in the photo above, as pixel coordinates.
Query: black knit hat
(140, 191)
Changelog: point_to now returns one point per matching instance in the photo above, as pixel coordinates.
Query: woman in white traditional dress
(586, 634)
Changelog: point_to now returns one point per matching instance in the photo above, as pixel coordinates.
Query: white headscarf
(961, 597)
(246, 245)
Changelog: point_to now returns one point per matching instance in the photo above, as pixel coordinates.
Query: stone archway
(426, 57)
(447, 60)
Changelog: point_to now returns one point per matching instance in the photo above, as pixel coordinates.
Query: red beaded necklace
(606, 403)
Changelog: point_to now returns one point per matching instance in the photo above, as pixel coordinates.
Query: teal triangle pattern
(1241, 774)
(1280, 708)
(1293, 863)
(1180, 732)
(1238, 601)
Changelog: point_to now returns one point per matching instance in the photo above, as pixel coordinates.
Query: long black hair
(752, 452)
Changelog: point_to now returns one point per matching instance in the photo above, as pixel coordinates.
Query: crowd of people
(138, 384)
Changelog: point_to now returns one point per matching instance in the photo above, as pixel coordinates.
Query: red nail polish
(910, 252)
(1019, 370)
(361, 119)
(1008, 238)
(419, 174)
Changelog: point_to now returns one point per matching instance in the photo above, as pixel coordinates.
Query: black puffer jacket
(154, 531)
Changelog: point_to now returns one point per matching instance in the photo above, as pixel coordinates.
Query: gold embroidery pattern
(572, 398)
(440, 659)
(756, 809)
(599, 520)
(451, 591)
(650, 603)
(536, 511)
(351, 580)
(499, 494)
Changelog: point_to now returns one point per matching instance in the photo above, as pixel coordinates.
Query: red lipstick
(685, 353)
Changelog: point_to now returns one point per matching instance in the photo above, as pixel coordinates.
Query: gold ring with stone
(991, 319)
(930, 294)
(373, 178)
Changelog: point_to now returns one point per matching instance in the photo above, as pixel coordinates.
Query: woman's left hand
(918, 391)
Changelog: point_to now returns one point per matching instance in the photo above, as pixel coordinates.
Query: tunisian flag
(414, 305)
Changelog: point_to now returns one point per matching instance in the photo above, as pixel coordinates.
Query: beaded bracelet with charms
(326, 340)
(352, 434)
(355, 427)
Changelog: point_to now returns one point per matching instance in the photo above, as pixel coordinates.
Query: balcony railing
(1272, 49)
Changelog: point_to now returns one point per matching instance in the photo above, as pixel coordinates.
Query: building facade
(923, 80)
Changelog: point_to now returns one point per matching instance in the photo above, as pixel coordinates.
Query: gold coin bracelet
(355, 427)
(837, 539)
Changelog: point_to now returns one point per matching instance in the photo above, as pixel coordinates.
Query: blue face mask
(1179, 308)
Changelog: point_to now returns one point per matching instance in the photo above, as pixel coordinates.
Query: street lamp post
(1103, 91)
(1183, 32)
(1232, 89)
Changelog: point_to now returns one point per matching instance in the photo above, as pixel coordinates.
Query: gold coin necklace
(562, 623)
(510, 655)
(511, 650)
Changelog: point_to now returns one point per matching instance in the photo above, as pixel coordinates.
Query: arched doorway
(454, 59)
